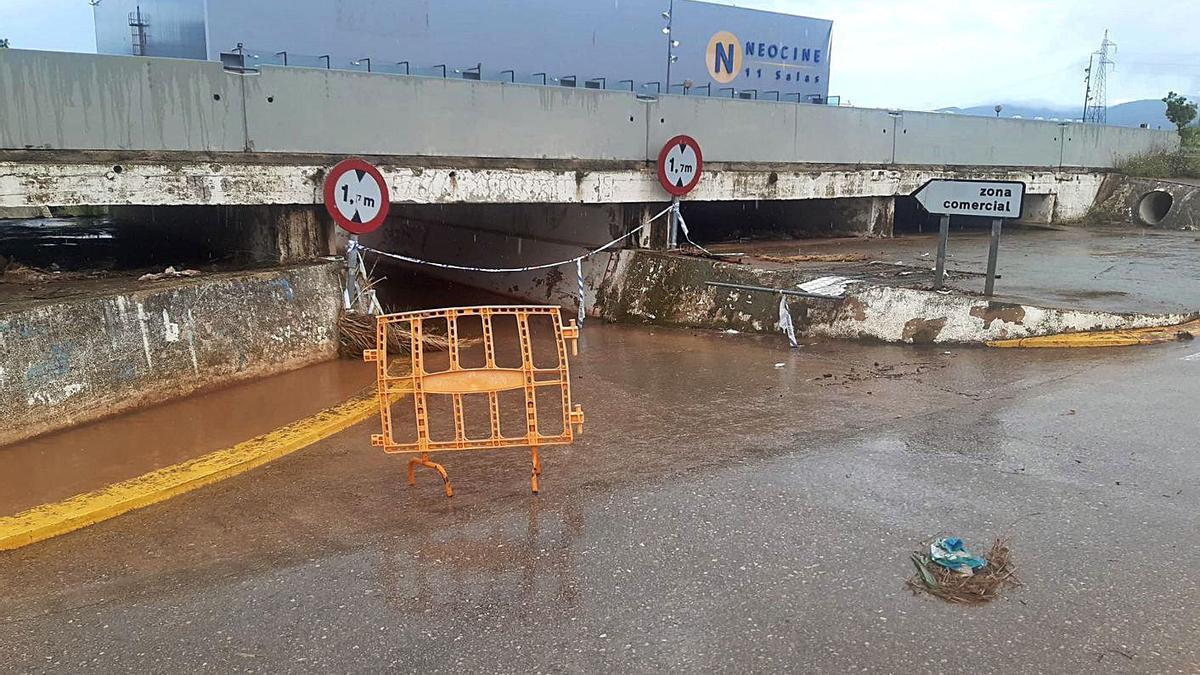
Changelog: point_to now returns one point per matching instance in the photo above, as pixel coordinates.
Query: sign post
(680, 164)
(356, 197)
(993, 251)
(995, 199)
(943, 237)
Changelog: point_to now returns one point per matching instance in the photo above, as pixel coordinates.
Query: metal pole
(993, 252)
(943, 235)
(352, 271)
(1087, 89)
(780, 291)
(670, 37)
(673, 236)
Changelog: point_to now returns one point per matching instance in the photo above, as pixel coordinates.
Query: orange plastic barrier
(431, 374)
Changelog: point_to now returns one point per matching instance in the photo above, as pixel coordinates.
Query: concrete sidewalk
(1111, 269)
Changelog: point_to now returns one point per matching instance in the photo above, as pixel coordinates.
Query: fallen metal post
(993, 252)
(780, 291)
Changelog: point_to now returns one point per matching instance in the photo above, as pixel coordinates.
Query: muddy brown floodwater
(62, 464)
(732, 506)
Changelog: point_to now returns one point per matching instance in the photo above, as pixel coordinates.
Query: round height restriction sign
(679, 165)
(356, 196)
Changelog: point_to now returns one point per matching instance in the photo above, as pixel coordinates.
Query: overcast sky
(914, 54)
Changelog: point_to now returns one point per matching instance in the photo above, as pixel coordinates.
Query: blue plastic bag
(950, 552)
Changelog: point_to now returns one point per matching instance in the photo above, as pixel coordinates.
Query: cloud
(924, 54)
(915, 54)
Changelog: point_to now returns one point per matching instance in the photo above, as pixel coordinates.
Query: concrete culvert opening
(1154, 206)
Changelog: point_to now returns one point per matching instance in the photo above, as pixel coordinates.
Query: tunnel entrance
(78, 251)
(123, 239)
(489, 236)
(765, 220)
(912, 218)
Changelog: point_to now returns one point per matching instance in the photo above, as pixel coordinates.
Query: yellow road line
(1106, 338)
(49, 520)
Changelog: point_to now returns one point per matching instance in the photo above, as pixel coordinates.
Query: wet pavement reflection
(731, 505)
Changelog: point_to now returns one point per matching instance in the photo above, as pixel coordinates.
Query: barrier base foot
(423, 460)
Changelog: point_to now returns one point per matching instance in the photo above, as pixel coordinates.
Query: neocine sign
(783, 52)
(793, 63)
(990, 199)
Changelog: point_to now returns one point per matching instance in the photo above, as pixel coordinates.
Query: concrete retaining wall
(657, 288)
(74, 361)
(1125, 199)
(78, 101)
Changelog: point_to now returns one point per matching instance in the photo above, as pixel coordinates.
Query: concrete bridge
(84, 129)
(186, 154)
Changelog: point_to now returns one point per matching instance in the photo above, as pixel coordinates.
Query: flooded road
(62, 464)
(731, 505)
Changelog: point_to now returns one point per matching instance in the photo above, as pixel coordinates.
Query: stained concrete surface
(719, 513)
(75, 360)
(1124, 268)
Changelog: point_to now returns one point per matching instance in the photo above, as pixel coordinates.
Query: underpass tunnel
(490, 236)
(125, 239)
(775, 220)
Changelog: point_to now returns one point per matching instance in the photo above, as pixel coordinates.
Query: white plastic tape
(530, 268)
(582, 296)
(785, 322)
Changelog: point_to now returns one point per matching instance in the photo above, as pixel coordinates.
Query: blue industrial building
(681, 46)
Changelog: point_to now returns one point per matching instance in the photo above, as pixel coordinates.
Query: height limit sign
(356, 196)
(679, 165)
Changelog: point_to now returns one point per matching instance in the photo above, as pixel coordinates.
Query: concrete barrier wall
(730, 130)
(342, 112)
(53, 100)
(930, 138)
(79, 101)
(70, 362)
(1090, 145)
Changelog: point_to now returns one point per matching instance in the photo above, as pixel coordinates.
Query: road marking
(1191, 357)
(1106, 338)
(50, 520)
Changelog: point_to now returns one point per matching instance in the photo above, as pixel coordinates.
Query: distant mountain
(1151, 112)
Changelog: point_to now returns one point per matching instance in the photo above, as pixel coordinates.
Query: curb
(1107, 338)
(50, 520)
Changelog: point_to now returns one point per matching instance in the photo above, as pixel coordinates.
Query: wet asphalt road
(719, 514)
(1124, 268)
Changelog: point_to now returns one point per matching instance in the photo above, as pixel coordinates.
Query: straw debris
(981, 587)
(356, 332)
(815, 257)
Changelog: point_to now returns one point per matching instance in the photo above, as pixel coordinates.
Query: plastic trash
(951, 553)
(785, 322)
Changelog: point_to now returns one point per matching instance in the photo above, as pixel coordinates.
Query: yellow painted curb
(50, 520)
(1106, 338)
